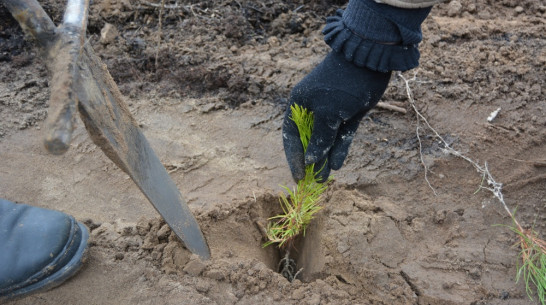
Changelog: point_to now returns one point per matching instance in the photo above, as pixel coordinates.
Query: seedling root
(287, 267)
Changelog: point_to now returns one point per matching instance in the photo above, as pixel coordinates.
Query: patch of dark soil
(23, 99)
(12, 40)
(198, 44)
(491, 9)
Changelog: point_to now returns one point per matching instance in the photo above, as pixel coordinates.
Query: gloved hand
(339, 94)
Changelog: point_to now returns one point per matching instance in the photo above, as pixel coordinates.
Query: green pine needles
(531, 265)
(303, 202)
(533, 262)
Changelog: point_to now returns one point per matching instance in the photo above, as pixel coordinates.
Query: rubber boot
(39, 249)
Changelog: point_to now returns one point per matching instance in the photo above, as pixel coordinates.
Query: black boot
(39, 249)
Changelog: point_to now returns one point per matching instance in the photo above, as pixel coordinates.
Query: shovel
(81, 83)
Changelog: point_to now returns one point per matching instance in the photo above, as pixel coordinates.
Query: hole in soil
(240, 231)
(310, 256)
(304, 260)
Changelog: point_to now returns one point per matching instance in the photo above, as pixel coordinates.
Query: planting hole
(305, 259)
(240, 232)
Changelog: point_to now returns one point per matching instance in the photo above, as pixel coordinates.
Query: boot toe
(41, 248)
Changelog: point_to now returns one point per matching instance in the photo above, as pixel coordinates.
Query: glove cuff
(376, 36)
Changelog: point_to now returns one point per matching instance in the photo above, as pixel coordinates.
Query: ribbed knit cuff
(377, 36)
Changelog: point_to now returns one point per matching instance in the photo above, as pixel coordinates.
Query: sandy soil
(211, 106)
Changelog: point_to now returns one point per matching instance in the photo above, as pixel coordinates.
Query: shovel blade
(112, 127)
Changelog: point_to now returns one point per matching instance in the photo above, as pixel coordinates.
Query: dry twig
(185, 8)
(420, 117)
(391, 107)
(159, 32)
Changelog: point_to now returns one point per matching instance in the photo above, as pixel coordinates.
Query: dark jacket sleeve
(377, 36)
(410, 3)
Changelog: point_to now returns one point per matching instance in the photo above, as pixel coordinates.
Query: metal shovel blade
(112, 127)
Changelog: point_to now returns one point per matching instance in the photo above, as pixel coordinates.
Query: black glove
(339, 94)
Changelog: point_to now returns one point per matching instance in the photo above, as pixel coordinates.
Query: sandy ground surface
(211, 106)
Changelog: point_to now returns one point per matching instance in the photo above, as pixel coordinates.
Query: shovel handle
(63, 62)
(62, 48)
(33, 20)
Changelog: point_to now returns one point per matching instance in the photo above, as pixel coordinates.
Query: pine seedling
(302, 202)
(533, 261)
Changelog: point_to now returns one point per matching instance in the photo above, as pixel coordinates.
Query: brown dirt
(212, 108)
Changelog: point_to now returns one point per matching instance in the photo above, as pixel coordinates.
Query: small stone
(180, 256)
(93, 225)
(156, 255)
(254, 88)
(342, 246)
(195, 266)
(239, 293)
(123, 228)
(119, 256)
(475, 273)
(314, 300)
(259, 266)
(215, 274)
(149, 242)
(202, 286)
(164, 232)
(277, 296)
(299, 293)
(440, 216)
(108, 34)
(229, 298)
(273, 41)
(143, 226)
(483, 14)
(434, 40)
(519, 9)
(535, 90)
(454, 8)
